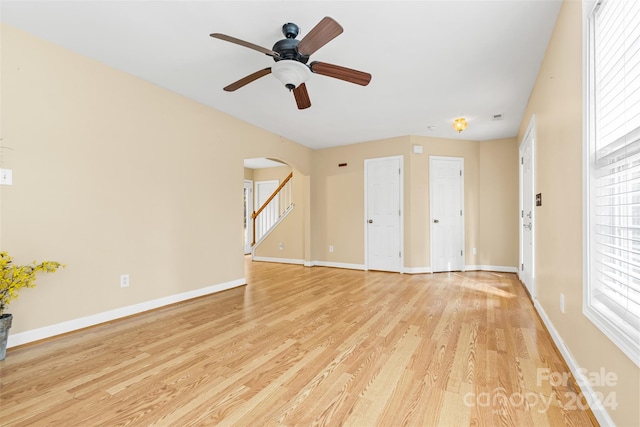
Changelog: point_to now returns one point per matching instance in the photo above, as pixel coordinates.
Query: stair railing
(272, 209)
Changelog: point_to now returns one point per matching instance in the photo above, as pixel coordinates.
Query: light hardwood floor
(305, 346)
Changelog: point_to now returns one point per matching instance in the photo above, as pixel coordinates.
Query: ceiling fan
(291, 57)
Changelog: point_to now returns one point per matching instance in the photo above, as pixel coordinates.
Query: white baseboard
(417, 270)
(279, 260)
(589, 393)
(107, 316)
(497, 268)
(336, 265)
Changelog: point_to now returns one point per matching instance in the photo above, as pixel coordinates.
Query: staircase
(272, 211)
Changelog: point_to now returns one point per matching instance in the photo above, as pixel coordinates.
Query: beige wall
(114, 175)
(248, 174)
(491, 170)
(498, 203)
(556, 102)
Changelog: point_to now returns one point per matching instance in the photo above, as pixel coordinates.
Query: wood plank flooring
(305, 347)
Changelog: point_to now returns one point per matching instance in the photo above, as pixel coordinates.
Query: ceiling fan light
(460, 124)
(291, 73)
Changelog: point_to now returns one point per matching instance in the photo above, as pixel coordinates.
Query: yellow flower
(15, 277)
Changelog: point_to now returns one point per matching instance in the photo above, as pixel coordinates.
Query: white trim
(247, 244)
(417, 270)
(107, 316)
(337, 265)
(587, 9)
(496, 268)
(401, 207)
(279, 260)
(613, 332)
(589, 393)
(462, 217)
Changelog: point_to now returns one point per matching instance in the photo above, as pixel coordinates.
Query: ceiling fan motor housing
(288, 49)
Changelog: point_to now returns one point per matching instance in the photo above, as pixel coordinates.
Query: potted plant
(12, 279)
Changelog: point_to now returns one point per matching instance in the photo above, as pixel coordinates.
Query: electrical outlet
(562, 303)
(281, 246)
(474, 251)
(124, 280)
(331, 248)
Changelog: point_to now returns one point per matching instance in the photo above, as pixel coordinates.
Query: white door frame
(462, 220)
(529, 138)
(247, 244)
(401, 228)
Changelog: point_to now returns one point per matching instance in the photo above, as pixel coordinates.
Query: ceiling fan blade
(245, 44)
(337, 72)
(325, 31)
(248, 79)
(302, 97)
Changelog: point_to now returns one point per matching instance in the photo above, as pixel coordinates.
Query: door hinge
(521, 267)
(399, 254)
(522, 160)
(460, 252)
(522, 213)
(399, 212)
(460, 173)
(399, 171)
(460, 212)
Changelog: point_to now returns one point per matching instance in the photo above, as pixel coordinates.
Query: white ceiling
(431, 61)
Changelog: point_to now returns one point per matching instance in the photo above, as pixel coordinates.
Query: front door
(526, 270)
(383, 216)
(446, 206)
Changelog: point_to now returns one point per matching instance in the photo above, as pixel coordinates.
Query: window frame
(621, 335)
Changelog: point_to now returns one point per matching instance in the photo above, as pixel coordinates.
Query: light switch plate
(6, 177)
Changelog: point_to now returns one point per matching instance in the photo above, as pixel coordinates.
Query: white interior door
(527, 212)
(268, 217)
(383, 216)
(446, 200)
(248, 210)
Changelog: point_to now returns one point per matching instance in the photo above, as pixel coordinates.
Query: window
(612, 174)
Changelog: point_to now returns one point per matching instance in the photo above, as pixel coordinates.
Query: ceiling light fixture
(460, 124)
(291, 73)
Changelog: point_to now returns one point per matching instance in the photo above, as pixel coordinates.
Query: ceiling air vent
(497, 116)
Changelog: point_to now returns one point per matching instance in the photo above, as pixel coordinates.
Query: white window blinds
(613, 284)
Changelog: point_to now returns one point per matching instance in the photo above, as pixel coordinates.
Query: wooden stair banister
(255, 214)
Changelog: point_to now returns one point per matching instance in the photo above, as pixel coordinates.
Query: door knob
(436, 221)
(370, 221)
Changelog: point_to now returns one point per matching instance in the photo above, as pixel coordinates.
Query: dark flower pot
(5, 325)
